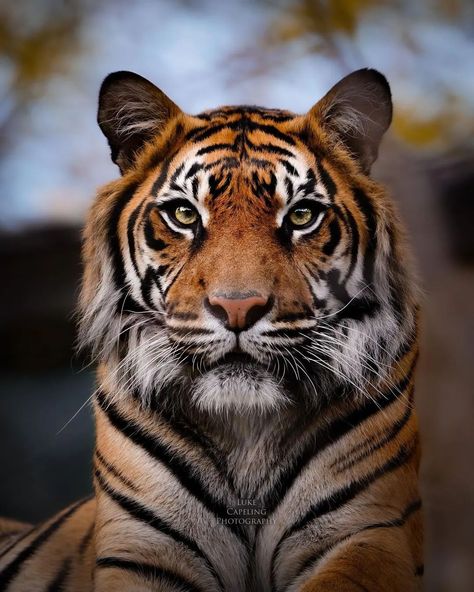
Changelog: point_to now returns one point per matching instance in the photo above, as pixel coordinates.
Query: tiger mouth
(233, 359)
(238, 358)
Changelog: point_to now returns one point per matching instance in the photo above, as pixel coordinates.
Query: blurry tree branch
(330, 28)
(35, 45)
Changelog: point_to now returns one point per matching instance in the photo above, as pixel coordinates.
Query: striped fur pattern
(282, 457)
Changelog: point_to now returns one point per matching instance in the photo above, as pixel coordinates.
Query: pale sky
(60, 156)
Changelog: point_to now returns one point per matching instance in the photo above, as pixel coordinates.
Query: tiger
(249, 299)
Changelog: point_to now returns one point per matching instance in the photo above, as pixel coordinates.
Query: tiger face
(245, 260)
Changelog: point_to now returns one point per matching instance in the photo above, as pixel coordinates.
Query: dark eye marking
(177, 172)
(334, 237)
(309, 187)
(290, 190)
(327, 181)
(289, 167)
(178, 188)
(153, 242)
(196, 167)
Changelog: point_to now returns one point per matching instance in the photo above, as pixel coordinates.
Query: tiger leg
(369, 562)
(10, 531)
(54, 555)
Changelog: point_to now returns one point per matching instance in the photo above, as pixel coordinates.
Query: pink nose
(238, 311)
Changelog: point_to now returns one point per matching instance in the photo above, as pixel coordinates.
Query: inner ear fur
(357, 111)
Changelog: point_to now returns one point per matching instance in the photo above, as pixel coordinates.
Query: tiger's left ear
(131, 111)
(357, 111)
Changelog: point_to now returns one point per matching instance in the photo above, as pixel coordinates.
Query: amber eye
(186, 216)
(301, 216)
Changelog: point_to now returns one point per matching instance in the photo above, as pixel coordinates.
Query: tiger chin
(251, 305)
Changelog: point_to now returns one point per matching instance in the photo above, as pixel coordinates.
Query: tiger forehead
(245, 149)
(246, 112)
(245, 131)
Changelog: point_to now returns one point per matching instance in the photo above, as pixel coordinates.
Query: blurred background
(53, 57)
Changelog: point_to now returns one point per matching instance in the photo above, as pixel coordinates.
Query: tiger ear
(131, 111)
(357, 111)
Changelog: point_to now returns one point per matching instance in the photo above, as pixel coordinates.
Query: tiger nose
(238, 311)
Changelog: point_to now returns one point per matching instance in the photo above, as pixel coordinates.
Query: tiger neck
(241, 451)
(152, 444)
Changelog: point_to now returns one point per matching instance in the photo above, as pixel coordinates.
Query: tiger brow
(215, 148)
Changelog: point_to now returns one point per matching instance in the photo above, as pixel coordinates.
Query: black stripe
(286, 332)
(199, 134)
(225, 162)
(337, 429)
(131, 236)
(195, 188)
(341, 497)
(308, 188)
(276, 115)
(86, 539)
(150, 279)
(262, 163)
(294, 316)
(174, 278)
(9, 573)
(177, 172)
(57, 585)
(352, 457)
(214, 148)
(218, 184)
(113, 238)
(290, 190)
(318, 303)
(367, 209)
(326, 180)
(264, 188)
(396, 281)
(203, 133)
(184, 331)
(180, 467)
(161, 270)
(310, 562)
(141, 513)
(289, 167)
(420, 570)
(354, 242)
(193, 169)
(177, 188)
(409, 510)
(271, 148)
(148, 571)
(334, 237)
(111, 469)
(271, 131)
(157, 244)
(193, 434)
(160, 181)
(18, 540)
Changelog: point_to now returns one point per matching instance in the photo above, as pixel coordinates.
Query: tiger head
(245, 259)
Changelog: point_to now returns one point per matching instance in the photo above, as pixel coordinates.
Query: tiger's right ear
(131, 111)
(357, 111)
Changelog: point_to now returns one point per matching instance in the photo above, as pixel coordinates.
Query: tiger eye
(301, 216)
(185, 215)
